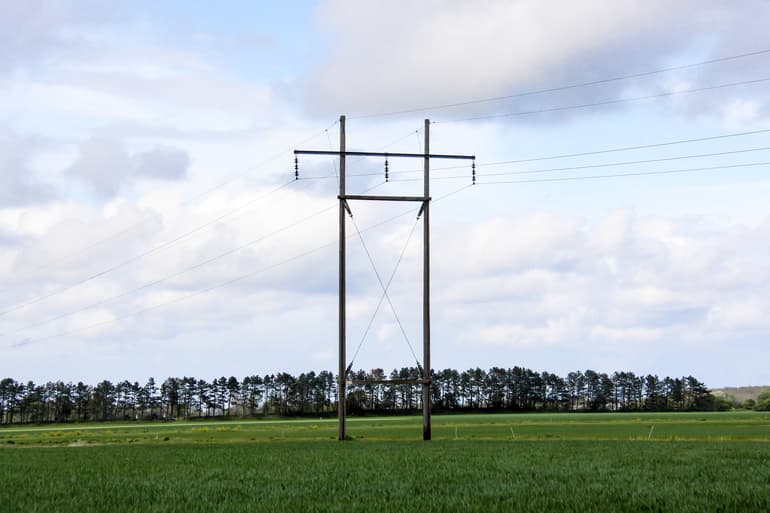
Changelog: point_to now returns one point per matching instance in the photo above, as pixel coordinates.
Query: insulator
(386, 170)
(473, 172)
(296, 168)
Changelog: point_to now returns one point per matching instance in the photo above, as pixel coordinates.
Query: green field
(567, 462)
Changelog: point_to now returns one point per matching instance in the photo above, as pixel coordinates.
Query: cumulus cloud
(633, 279)
(105, 166)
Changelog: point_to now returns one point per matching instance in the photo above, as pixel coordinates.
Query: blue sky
(148, 226)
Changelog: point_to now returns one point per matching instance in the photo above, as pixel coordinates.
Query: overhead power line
(173, 275)
(609, 102)
(568, 155)
(164, 245)
(620, 175)
(144, 219)
(159, 247)
(236, 279)
(198, 265)
(593, 166)
(623, 148)
(563, 87)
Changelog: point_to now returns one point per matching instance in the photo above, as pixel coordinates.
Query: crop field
(677, 462)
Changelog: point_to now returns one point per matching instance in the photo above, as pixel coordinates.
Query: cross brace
(388, 381)
(385, 154)
(382, 198)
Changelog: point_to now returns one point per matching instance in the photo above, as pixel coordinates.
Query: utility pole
(425, 379)
(426, 432)
(342, 297)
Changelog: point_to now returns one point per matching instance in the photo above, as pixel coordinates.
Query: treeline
(496, 389)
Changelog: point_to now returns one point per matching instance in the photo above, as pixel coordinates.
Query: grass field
(718, 426)
(581, 462)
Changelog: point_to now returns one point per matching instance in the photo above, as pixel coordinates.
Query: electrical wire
(198, 265)
(578, 154)
(592, 166)
(139, 256)
(619, 175)
(335, 174)
(144, 219)
(236, 279)
(608, 102)
(158, 281)
(564, 87)
(166, 244)
(624, 148)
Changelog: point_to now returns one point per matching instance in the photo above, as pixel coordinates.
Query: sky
(150, 223)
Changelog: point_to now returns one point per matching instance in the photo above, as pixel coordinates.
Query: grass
(722, 426)
(557, 463)
(390, 476)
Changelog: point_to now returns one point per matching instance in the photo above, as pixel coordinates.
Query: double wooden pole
(425, 379)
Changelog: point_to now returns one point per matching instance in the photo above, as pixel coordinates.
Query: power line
(576, 154)
(570, 155)
(198, 265)
(620, 175)
(175, 300)
(188, 201)
(174, 275)
(166, 244)
(624, 148)
(628, 162)
(563, 87)
(608, 102)
(593, 166)
(222, 284)
(154, 249)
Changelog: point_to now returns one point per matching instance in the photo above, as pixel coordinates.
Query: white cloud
(526, 296)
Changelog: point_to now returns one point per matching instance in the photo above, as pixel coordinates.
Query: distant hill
(739, 394)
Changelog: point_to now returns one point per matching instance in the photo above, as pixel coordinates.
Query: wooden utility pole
(425, 379)
(426, 291)
(342, 298)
